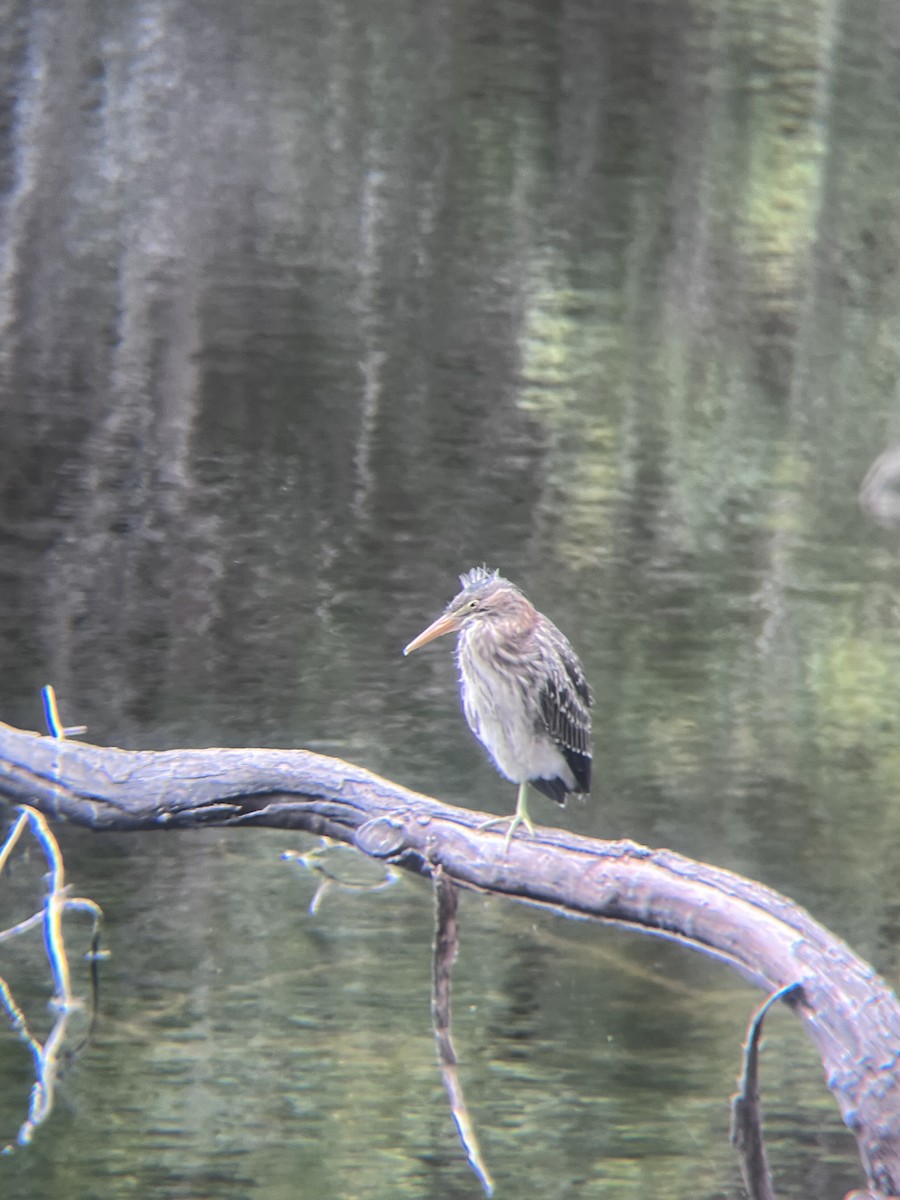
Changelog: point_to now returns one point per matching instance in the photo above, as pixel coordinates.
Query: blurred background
(307, 306)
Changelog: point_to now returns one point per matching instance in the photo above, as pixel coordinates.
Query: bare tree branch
(50, 1055)
(850, 1013)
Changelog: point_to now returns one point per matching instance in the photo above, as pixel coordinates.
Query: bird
(523, 690)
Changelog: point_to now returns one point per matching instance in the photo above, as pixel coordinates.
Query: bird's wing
(566, 709)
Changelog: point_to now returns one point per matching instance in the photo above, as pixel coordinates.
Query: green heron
(523, 689)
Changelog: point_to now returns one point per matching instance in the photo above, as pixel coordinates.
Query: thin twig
(49, 1056)
(746, 1110)
(12, 837)
(446, 899)
(52, 717)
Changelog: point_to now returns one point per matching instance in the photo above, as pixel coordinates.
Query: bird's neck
(506, 634)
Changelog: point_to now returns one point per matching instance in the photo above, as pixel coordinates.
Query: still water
(304, 309)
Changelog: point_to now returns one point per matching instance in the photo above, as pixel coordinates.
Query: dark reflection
(304, 309)
(524, 987)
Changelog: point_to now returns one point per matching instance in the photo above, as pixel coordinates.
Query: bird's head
(484, 595)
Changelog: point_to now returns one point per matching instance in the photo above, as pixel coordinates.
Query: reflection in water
(303, 311)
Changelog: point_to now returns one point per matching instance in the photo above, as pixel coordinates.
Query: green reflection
(306, 310)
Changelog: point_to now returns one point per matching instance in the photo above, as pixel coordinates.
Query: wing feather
(565, 705)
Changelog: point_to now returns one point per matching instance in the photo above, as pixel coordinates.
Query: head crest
(478, 577)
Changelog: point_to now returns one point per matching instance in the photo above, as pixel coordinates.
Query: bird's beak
(446, 623)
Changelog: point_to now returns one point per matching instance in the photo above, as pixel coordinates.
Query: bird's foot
(517, 819)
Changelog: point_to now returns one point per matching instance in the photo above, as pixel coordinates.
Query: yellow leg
(520, 817)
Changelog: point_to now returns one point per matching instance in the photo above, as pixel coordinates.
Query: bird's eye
(471, 606)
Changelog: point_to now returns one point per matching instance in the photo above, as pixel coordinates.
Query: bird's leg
(520, 817)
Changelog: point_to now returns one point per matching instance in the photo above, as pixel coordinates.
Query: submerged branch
(746, 1110)
(849, 1012)
(446, 944)
(50, 1055)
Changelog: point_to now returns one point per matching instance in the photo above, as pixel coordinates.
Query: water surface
(307, 308)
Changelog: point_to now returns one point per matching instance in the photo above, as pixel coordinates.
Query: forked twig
(50, 1055)
(52, 717)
